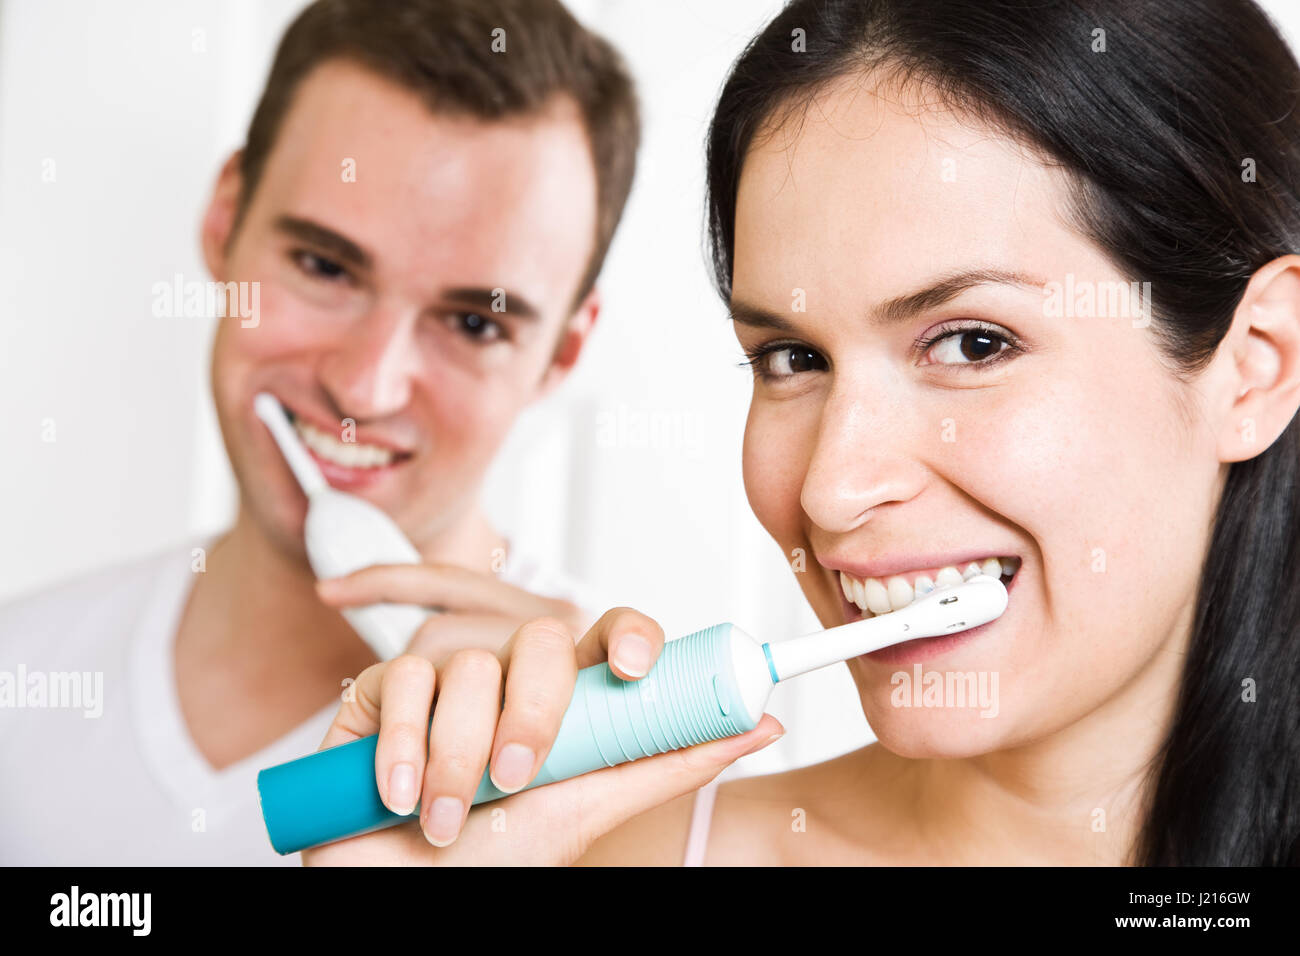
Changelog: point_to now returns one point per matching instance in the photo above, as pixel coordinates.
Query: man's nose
(370, 368)
(865, 456)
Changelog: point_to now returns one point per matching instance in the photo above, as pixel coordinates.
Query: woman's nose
(369, 370)
(864, 457)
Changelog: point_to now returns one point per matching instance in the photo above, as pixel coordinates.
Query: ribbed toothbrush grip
(690, 696)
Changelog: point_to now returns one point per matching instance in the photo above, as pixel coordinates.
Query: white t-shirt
(97, 766)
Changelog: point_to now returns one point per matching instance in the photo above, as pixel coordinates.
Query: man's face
(382, 235)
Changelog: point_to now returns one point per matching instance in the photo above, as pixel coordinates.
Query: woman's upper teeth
(347, 454)
(897, 591)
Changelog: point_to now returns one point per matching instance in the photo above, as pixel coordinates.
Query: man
(424, 200)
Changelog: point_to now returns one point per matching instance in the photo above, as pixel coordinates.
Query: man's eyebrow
(900, 308)
(485, 299)
(345, 249)
(326, 239)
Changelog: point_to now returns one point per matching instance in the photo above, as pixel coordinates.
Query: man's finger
(431, 585)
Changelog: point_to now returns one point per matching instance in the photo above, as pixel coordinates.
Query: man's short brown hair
(444, 51)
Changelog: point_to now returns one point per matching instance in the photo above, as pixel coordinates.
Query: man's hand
(479, 609)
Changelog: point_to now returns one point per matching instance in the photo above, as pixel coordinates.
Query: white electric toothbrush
(344, 533)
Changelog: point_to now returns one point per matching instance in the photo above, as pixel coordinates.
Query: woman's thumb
(608, 798)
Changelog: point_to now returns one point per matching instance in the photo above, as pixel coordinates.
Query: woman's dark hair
(1178, 124)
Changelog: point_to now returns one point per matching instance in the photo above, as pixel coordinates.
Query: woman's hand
(440, 765)
(479, 609)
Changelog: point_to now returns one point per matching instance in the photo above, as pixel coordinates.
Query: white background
(137, 103)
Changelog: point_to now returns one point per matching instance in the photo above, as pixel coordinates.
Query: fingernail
(513, 767)
(633, 655)
(401, 789)
(444, 821)
(756, 749)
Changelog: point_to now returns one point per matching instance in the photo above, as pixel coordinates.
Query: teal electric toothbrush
(707, 685)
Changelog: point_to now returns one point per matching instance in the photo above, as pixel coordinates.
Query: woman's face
(887, 439)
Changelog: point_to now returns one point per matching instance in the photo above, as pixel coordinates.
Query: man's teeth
(347, 454)
(874, 596)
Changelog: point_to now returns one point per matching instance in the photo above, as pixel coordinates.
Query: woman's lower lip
(927, 648)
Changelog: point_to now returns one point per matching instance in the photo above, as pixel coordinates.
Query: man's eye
(780, 361)
(479, 327)
(318, 266)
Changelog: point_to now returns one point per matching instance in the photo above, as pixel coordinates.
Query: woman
(1019, 282)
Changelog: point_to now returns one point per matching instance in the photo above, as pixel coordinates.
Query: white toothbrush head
(304, 468)
(943, 611)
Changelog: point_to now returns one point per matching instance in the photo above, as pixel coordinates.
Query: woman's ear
(1265, 368)
(577, 329)
(219, 220)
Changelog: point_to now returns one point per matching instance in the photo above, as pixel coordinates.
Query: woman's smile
(872, 592)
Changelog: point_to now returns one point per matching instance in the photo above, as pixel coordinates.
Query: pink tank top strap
(701, 817)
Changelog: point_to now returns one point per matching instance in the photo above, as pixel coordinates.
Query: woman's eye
(969, 346)
(773, 362)
(318, 266)
(478, 327)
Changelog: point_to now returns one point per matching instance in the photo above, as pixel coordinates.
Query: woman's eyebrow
(899, 308)
(903, 307)
(746, 314)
